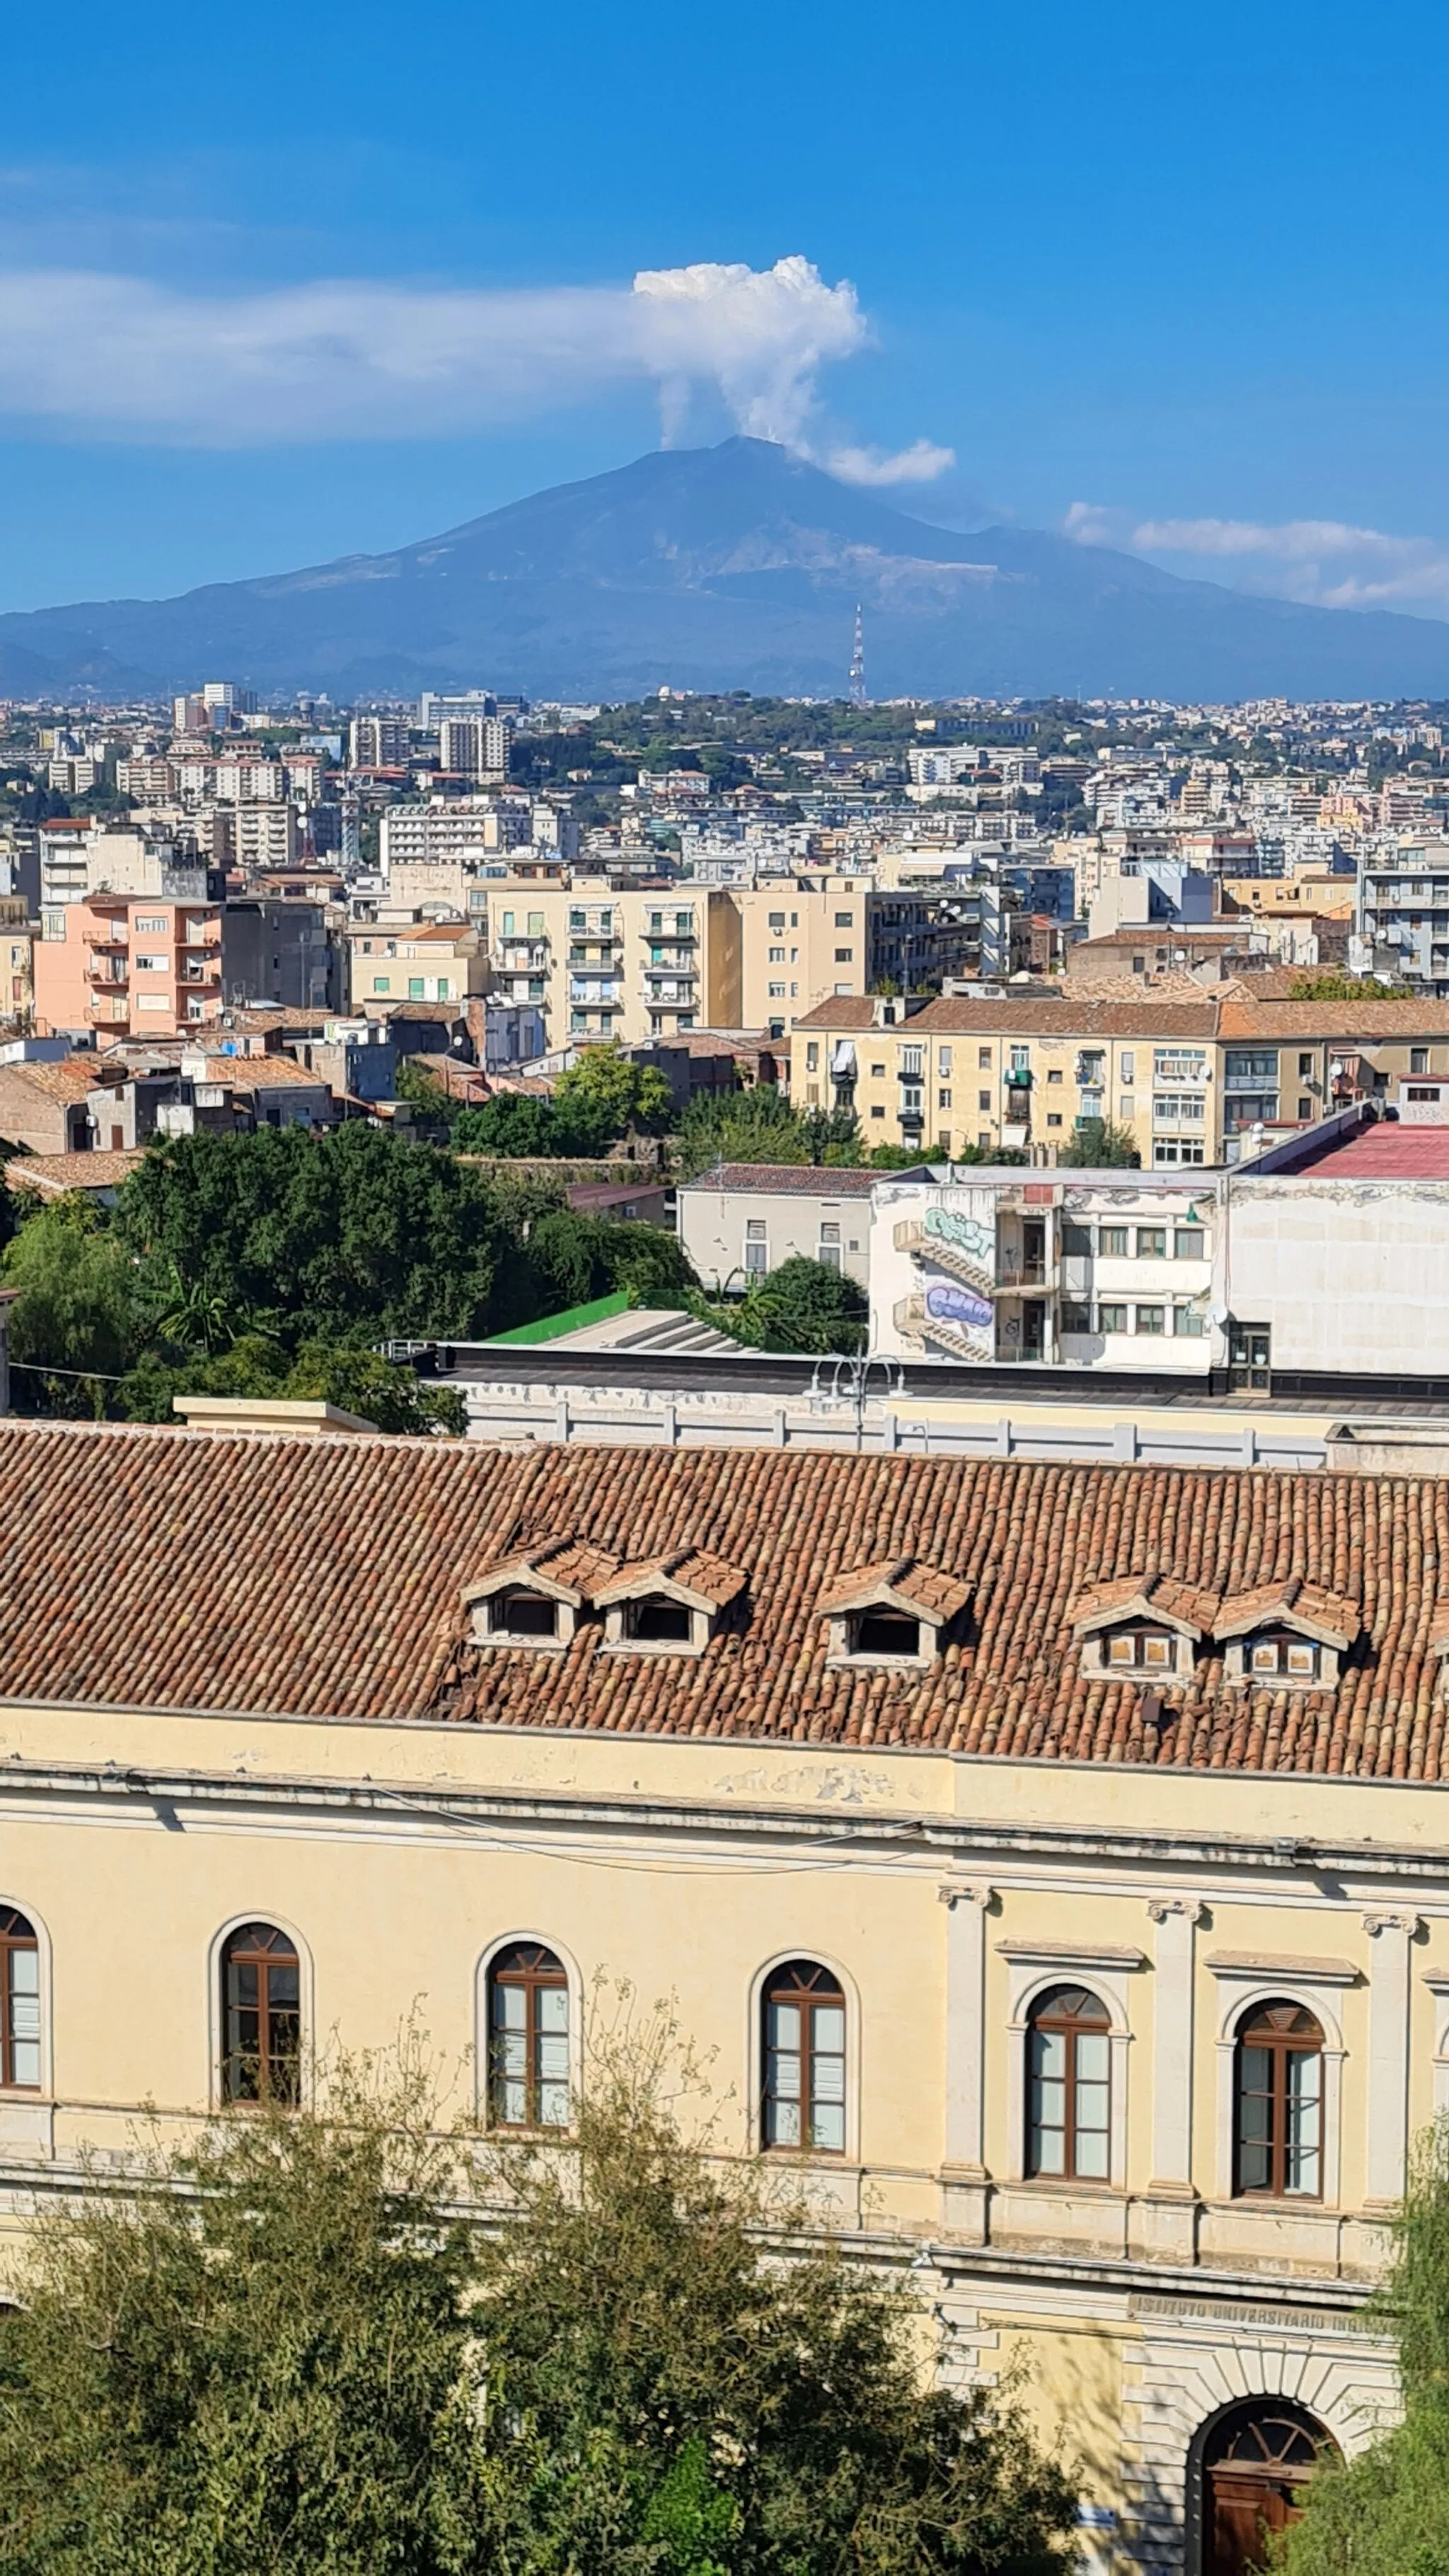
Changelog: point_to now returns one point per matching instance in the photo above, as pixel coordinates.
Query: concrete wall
(1349, 1275)
(714, 1228)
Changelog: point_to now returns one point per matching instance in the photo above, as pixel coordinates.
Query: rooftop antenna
(857, 662)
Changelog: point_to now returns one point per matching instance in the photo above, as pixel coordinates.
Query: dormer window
(1151, 1650)
(656, 1622)
(1141, 1627)
(522, 1614)
(537, 1596)
(895, 1614)
(879, 1634)
(1276, 1653)
(1286, 1636)
(667, 1605)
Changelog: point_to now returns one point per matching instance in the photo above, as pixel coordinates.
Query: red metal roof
(1386, 1152)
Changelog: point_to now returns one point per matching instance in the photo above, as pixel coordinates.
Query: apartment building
(474, 746)
(1193, 1083)
(379, 742)
(811, 936)
(124, 964)
(419, 961)
(603, 961)
(1402, 923)
(264, 836)
(450, 829)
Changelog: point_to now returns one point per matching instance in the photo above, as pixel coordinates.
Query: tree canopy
(273, 1263)
(1099, 1145)
(1386, 2513)
(285, 2353)
(599, 1100)
(802, 1306)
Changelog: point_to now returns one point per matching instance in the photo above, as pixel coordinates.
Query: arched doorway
(1246, 2478)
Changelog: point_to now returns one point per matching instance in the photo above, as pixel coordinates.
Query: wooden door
(1244, 2508)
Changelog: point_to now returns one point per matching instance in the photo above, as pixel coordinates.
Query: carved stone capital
(956, 1891)
(1160, 1907)
(1409, 1924)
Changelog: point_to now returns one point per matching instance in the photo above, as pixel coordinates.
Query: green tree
(260, 2364)
(79, 1312)
(757, 1126)
(802, 1306)
(1386, 2513)
(605, 1094)
(678, 2404)
(513, 1123)
(1100, 1146)
(353, 1235)
(1333, 987)
(356, 1380)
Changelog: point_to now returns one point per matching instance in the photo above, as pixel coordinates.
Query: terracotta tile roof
(144, 1568)
(561, 1565)
(53, 1174)
(1185, 1606)
(1438, 1639)
(71, 1079)
(706, 1580)
(902, 1580)
(1067, 1017)
(1370, 1022)
(262, 1073)
(1329, 1616)
(846, 1011)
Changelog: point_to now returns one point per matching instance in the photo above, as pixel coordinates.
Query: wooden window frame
(1049, 2013)
(278, 1952)
(784, 1985)
(17, 1935)
(536, 1969)
(1280, 2046)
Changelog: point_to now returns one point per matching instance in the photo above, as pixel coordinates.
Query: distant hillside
(719, 568)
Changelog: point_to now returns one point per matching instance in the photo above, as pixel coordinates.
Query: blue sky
(1173, 280)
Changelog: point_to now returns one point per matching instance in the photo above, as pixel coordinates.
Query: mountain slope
(727, 567)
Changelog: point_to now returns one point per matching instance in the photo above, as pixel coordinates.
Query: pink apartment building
(134, 965)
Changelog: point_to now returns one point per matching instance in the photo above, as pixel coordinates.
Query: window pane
(1093, 2057)
(553, 2007)
(829, 2079)
(828, 2128)
(25, 2016)
(1092, 2155)
(283, 1985)
(1302, 2073)
(25, 1972)
(830, 2027)
(510, 2054)
(784, 2025)
(783, 2127)
(553, 2056)
(510, 2007)
(512, 2105)
(784, 2076)
(553, 2106)
(1157, 1651)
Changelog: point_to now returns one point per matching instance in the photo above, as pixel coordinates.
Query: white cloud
(122, 357)
(1324, 563)
(918, 463)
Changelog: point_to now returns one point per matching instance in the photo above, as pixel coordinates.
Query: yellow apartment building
(1050, 1857)
(636, 964)
(1190, 1081)
(414, 961)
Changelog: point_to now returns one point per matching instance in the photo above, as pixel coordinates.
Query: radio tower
(857, 662)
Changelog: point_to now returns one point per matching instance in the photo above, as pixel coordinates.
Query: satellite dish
(1217, 1314)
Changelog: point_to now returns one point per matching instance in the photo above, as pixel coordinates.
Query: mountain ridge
(737, 566)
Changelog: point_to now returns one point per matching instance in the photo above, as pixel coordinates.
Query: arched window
(528, 2039)
(19, 2001)
(261, 2000)
(1069, 2094)
(804, 2059)
(1278, 2091)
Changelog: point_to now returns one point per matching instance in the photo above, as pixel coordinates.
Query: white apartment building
(474, 746)
(379, 742)
(246, 780)
(266, 835)
(1106, 1270)
(1401, 927)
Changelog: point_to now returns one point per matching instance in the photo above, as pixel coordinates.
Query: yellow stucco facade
(945, 1895)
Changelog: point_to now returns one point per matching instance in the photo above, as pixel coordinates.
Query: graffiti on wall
(958, 1306)
(969, 1234)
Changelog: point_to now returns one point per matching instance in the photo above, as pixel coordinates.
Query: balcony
(110, 971)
